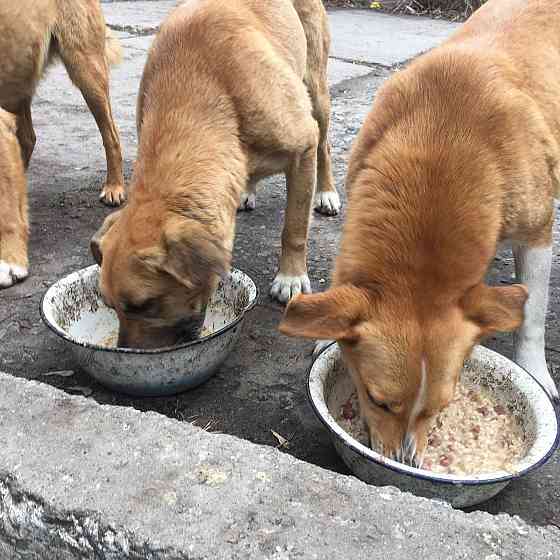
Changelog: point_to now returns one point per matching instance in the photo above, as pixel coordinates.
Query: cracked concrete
(264, 380)
(119, 484)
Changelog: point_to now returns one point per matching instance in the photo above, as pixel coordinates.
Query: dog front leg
(14, 227)
(532, 268)
(301, 178)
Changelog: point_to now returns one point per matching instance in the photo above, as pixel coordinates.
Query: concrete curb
(81, 480)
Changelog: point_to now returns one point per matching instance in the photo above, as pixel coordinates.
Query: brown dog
(35, 32)
(459, 153)
(232, 91)
(14, 227)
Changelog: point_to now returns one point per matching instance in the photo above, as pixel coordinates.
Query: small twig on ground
(282, 441)
(86, 391)
(208, 427)
(61, 373)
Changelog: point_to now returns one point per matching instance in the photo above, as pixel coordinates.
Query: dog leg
(292, 277)
(316, 26)
(14, 230)
(88, 70)
(532, 268)
(327, 201)
(25, 132)
(248, 200)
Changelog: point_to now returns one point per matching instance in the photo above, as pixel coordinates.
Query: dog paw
(320, 345)
(285, 287)
(536, 365)
(11, 274)
(327, 203)
(247, 202)
(112, 195)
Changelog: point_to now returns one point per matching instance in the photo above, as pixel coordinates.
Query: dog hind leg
(317, 33)
(82, 47)
(532, 268)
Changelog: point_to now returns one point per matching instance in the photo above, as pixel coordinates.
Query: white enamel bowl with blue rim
(329, 386)
(72, 308)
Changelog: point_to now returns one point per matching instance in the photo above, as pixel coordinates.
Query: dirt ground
(262, 386)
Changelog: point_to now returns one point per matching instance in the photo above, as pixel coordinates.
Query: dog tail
(113, 48)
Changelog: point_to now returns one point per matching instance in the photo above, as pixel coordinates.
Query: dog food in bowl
(474, 434)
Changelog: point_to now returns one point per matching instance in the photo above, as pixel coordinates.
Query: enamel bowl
(329, 385)
(72, 308)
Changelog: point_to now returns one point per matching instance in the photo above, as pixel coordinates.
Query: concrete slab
(264, 380)
(119, 484)
(384, 38)
(340, 71)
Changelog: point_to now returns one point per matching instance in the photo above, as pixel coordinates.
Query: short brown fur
(14, 226)
(33, 33)
(232, 91)
(459, 152)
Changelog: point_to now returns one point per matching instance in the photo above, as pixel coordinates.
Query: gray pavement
(264, 379)
(117, 484)
(368, 36)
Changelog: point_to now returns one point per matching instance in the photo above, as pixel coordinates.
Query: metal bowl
(72, 308)
(329, 386)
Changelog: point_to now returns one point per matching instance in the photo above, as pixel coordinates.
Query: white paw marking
(11, 273)
(327, 203)
(284, 287)
(320, 345)
(248, 201)
(533, 360)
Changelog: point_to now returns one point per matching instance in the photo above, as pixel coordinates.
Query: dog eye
(378, 404)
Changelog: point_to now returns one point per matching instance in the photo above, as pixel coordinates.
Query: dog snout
(137, 334)
(406, 452)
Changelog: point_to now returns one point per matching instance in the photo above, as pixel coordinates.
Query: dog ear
(95, 243)
(331, 315)
(192, 255)
(495, 309)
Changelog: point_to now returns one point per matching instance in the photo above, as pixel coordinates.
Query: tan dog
(14, 227)
(35, 32)
(460, 152)
(232, 91)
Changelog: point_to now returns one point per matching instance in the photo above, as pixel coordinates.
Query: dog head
(158, 273)
(405, 365)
